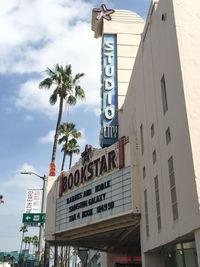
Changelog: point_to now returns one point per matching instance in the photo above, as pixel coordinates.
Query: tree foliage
(67, 88)
(66, 131)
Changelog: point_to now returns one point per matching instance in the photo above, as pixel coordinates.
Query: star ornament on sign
(103, 12)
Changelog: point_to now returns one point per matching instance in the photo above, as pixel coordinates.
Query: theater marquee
(98, 189)
(96, 199)
(103, 198)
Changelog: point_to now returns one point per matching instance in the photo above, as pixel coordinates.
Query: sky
(36, 35)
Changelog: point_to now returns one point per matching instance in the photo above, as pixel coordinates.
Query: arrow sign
(33, 217)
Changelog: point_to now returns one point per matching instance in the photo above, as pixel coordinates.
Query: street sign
(34, 217)
(31, 224)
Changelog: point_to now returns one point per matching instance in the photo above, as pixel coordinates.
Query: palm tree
(26, 241)
(23, 229)
(35, 242)
(67, 88)
(72, 148)
(29, 241)
(67, 130)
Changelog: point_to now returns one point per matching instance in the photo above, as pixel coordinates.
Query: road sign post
(41, 233)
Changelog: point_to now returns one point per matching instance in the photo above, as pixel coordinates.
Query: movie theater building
(139, 195)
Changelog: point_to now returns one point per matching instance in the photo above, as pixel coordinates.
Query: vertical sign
(109, 123)
(33, 197)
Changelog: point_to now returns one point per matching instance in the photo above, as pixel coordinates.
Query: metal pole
(41, 233)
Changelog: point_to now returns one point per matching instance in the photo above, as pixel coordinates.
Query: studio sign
(88, 171)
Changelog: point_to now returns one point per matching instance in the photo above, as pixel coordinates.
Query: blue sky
(36, 35)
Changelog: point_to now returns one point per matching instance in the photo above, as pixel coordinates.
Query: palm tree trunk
(70, 162)
(63, 162)
(22, 242)
(65, 152)
(61, 257)
(56, 256)
(57, 128)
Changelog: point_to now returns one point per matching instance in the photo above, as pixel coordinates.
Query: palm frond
(51, 74)
(53, 97)
(71, 100)
(46, 83)
(77, 77)
(57, 68)
(68, 69)
(61, 140)
(66, 128)
(76, 134)
(73, 147)
(79, 92)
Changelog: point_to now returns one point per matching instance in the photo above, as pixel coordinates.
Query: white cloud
(41, 33)
(48, 138)
(34, 99)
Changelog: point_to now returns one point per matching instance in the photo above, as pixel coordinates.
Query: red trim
(52, 169)
(121, 152)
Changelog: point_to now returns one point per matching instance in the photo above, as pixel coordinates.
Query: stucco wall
(158, 54)
(187, 20)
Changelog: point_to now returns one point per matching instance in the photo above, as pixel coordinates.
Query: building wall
(128, 26)
(158, 54)
(169, 46)
(52, 192)
(187, 20)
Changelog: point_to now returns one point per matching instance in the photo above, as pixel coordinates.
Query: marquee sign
(87, 172)
(110, 92)
(92, 168)
(98, 187)
(103, 198)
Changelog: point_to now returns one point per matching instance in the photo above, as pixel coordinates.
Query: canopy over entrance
(119, 234)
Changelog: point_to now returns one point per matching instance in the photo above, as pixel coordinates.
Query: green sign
(34, 217)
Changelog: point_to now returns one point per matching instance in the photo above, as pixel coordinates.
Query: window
(157, 196)
(168, 135)
(152, 130)
(154, 156)
(141, 139)
(146, 213)
(173, 188)
(144, 172)
(164, 95)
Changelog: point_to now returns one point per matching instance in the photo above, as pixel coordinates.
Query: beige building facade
(158, 117)
(162, 105)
